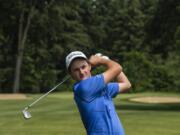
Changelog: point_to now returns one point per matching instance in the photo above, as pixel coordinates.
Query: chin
(84, 78)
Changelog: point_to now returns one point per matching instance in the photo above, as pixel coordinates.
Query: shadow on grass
(148, 107)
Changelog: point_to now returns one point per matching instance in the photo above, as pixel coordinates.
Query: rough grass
(57, 115)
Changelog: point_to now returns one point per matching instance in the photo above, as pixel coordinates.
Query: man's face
(80, 69)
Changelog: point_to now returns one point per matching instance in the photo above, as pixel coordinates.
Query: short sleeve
(90, 88)
(112, 89)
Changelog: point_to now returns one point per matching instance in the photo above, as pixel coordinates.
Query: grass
(57, 115)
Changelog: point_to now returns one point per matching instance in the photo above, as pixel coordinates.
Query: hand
(94, 60)
(97, 58)
(102, 56)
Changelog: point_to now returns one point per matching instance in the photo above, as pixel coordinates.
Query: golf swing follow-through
(27, 114)
(93, 94)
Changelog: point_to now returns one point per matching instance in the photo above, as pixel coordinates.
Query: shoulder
(91, 82)
(90, 87)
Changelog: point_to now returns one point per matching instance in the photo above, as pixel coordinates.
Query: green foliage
(142, 35)
(162, 27)
(138, 69)
(145, 75)
(173, 62)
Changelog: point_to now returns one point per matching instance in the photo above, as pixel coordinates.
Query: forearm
(122, 77)
(113, 68)
(110, 64)
(123, 81)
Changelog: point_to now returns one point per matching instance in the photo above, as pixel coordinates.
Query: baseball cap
(71, 56)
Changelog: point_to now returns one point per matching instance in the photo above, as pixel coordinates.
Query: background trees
(142, 35)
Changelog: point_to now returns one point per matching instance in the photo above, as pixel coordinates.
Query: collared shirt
(94, 100)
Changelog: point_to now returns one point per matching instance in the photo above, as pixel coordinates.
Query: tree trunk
(22, 36)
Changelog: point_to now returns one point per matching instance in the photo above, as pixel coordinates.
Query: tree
(162, 27)
(26, 15)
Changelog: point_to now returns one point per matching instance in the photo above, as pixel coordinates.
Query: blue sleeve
(113, 89)
(90, 88)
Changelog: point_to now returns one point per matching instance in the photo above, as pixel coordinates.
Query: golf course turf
(57, 115)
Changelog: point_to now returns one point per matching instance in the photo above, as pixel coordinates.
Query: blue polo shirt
(94, 100)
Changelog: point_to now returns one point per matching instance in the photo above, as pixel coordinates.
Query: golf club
(27, 114)
(25, 111)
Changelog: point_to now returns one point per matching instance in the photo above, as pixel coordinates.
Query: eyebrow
(83, 65)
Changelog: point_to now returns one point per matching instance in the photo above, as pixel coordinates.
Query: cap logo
(73, 54)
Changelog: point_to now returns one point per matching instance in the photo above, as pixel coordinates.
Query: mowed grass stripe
(57, 114)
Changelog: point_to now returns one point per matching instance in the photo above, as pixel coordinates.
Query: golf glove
(103, 56)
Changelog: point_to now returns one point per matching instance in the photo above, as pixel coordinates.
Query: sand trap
(156, 99)
(12, 96)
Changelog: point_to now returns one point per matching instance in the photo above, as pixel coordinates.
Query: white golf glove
(103, 56)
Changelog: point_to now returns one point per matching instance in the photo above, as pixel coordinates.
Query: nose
(81, 71)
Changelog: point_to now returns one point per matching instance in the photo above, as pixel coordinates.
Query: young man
(93, 94)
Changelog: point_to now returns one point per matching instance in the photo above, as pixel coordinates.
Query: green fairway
(57, 115)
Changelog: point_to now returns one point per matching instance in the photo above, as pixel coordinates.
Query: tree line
(36, 35)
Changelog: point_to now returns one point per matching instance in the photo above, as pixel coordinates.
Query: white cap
(71, 56)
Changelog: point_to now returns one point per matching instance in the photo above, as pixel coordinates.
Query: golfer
(93, 94)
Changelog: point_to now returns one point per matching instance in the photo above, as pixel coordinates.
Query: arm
(113, 68)
(124, 83)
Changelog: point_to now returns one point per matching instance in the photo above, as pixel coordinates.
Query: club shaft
(65, 79)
